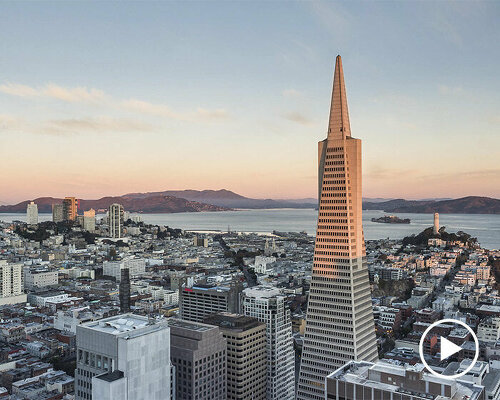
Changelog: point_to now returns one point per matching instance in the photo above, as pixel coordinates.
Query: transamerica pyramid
(339, 323)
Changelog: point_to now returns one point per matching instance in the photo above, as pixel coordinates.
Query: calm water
(485, 227)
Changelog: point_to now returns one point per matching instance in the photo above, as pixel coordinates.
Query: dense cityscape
(97, 304)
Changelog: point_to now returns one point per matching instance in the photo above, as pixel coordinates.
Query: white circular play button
(447, 348)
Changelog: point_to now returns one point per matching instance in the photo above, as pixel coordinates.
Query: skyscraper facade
(246, 355)
(115, 220)
(57, 213)
(70, 208)
(124, 291)
(123, 357)
(32, 214)
(268, 305)
(89, 220)
(339, 323)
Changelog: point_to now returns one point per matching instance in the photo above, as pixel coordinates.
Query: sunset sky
(107, 98)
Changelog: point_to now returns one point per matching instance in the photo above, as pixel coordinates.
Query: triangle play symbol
(448, 348)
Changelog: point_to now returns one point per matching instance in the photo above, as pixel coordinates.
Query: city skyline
(234, 100)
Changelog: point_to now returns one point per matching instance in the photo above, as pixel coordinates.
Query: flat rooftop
(193, 326)
(262, 292)
(123, 324)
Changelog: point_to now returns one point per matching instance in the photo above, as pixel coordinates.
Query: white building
(68, 320)
(488, 330)
(115, 220)
(136, 267)
(260, 264)
(123, 357)
(32, 214)
(267, 304)
(39, 277)
(89, 220)
(12, 284)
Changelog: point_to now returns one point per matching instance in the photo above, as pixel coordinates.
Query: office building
(115, 220)
(32, 214)
(39, 277)
(123, 357)
(198, 302)
(384, 381)
(246, 355)
(89, 220)
(267, 304)
(339, 321)
(136, 267)
(198, 353)
(70, 208)
(124, 289)
(12, 283)
(57, 213)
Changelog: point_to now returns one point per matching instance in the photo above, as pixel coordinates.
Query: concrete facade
(123, 357)
(198, 353)
(246, 355)
(267, 304)
(339, 322)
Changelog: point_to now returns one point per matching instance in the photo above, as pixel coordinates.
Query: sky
(107, 98)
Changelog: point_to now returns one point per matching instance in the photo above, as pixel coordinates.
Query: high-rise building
(11, 283)
(435, 229)
(268, 305)
(122, 357)
(246, 355)
(339, 323)
(136, 267)
(198, 353)
(89, 220)
(200, 301)
(70, 208)
(124, 291)
(32, 214)
(115, 220)
(57, 213)
(381, 381)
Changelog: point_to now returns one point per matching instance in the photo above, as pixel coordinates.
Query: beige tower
(436, 223)
(339, 324)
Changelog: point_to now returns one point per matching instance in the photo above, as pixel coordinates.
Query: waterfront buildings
(89, 220)
(384, 381)
(123, 357)
(57, 213)
(268, 305)
(32, 214)
(70, 208)
(12, 283)
(246, 355)
(339, 323)
(199, 301)
(115, 220)
(198, 353)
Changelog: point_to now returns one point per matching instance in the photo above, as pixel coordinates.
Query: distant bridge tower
(436, 223)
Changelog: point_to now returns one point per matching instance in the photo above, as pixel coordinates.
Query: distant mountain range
(226, 198)
(464, 205)
(173, 201)
(148, 204)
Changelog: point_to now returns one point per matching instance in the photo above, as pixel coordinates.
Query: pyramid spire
(339, 126)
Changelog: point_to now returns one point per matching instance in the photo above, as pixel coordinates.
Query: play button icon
(447, 348)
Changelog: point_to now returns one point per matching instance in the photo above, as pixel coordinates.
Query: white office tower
(32, 214)
(267, 304)
(115, 220)
(339, 322)
(12, 283)
(89, 220)
(124, 357)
